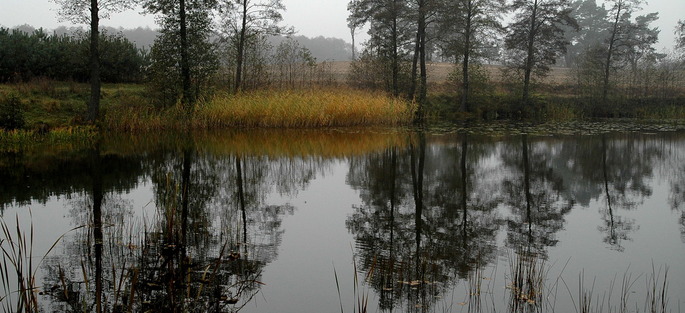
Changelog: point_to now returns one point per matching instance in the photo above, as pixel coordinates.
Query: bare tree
(243, 20)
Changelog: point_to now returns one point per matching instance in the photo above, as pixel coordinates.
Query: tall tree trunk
(464, 190)
(421, 51)
(422, 55)
(531, 54)
(465, 88)
(610, 52)
(354, 47)
(94, 104)
(241, 49)
(187, 100)
(395, 53)
(414, 70)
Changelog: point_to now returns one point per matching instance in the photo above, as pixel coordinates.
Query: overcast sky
(309, 17)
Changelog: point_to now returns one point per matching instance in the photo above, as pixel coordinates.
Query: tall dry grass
(311, 108)
(303, 108)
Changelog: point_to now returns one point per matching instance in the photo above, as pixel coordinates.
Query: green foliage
(625, 65)
(11, 112)
(25, 56)
(589, 72)
(164, 74)
(393, 34)
(680, 35)
(477, 19)
(535, 49)
(592, 23)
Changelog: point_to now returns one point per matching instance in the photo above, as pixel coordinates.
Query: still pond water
(496, 218)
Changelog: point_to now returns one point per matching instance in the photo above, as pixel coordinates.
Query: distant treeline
(24, 56)
(321, 48)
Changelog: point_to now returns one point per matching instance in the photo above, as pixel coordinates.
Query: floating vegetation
(569, 128)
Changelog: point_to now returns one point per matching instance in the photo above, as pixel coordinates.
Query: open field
(438, 72)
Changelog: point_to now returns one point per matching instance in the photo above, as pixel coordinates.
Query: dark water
(279, 221)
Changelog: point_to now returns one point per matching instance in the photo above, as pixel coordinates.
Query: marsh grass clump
(17, 268)
(312, 108)
(618, 297)
(527, 275)
(70, 137)
(303, 109)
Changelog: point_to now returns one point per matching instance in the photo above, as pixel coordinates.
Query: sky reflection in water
(271, 217)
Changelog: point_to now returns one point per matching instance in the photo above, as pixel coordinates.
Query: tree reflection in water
(203, 251)
(422, 226)
(431, 215)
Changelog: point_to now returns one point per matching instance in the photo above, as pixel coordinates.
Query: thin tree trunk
(187, 99)
(610, 52)
(464, 190)
(94, 104)
(422, 55)
(421, 52)
(465, 63)
(414, 69)
(241, 49)
(395, 54)
(354, 49)
(530, 57)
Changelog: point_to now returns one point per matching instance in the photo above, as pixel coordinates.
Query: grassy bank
(548, 106)
(270, 109)
(49, 112)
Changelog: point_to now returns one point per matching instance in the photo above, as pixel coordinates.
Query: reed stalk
(18, 274)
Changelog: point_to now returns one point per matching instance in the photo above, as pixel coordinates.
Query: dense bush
(24, 56)
(11, 112)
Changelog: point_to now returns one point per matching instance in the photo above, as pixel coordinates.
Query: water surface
(311, 221)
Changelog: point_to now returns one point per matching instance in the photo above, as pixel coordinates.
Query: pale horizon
(327, 18)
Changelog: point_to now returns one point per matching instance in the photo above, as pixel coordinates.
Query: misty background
(312, 20)
(321, 48)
